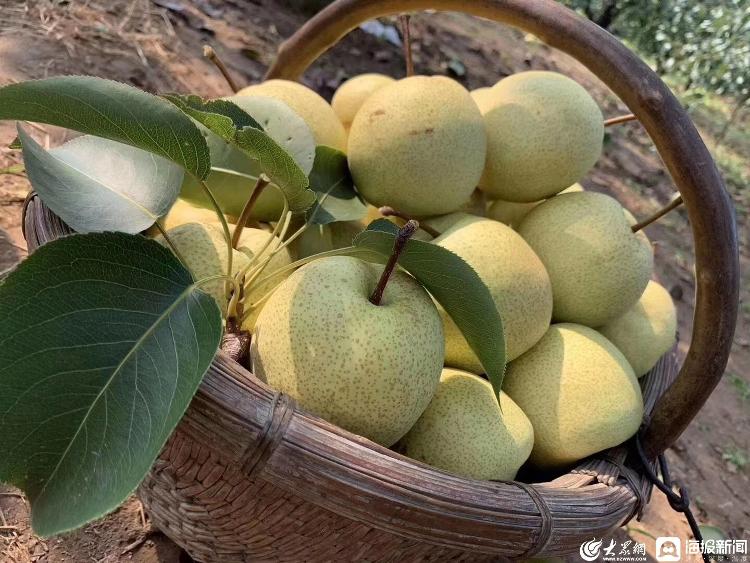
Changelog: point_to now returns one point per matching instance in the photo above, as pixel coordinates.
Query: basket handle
(673, 133)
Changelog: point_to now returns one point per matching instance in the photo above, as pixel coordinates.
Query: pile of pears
(493, 176)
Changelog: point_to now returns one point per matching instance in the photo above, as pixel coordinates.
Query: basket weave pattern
(248, 476)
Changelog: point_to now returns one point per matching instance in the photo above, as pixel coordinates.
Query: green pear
(465, 431)
(646, 331)
(597, 265)
(512, 213)
(204, 249)
(579, 392)
(371, 369)
(317, 113)
(544, 132)
(232, 190)
(516, 278)
(418, 145)
(352, 94)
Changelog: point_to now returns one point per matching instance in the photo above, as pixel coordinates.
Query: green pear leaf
(279, 166)
(283, 125)
(330, 179)
(104, 339)
(220, 116)
(111, 110)
(94, 184)
(455, 285)
(230, 123)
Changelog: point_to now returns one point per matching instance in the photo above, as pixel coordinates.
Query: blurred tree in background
(705, 45)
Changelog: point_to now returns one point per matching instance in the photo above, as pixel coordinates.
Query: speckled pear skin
(250, 244)
(646, 331)
(512, 213)
(544, 132)
(597, 265)
(310, 106)
(464, 430)
(352, 94)
(515, 276)
(418, 145)
(204, 248)
(579, 392)
(371, 369)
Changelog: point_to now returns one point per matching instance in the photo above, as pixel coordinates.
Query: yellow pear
(544, 132)
(512, 213)
(579, 392)
(418, 145)
(516, 278)
(352, 94)
(204, 249)
(183, 211)
(646, 331)
(597, 265)
(309, 105)
(484, 98)
(371, 369)
(465, 431)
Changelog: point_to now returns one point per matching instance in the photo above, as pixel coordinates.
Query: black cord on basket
(680, 502)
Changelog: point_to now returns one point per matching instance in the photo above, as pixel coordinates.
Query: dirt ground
(156, 45)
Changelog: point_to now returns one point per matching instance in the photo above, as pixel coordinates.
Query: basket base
(218, 515)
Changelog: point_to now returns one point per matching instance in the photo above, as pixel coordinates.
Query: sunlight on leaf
(110, 110)
(95, 184)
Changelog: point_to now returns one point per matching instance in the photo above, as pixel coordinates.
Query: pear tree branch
(211, 55)
(675, 203)
(406, 35)
(620, 119)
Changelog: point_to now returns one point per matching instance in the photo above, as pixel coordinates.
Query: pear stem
(211, 55)
(260, 185)
(224, 226)
(675, 203)
(388, 211)
(620, 119)
(403, 236)
(406, 33)
(271, 239)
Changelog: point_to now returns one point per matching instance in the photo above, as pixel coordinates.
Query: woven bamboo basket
(249, 476)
